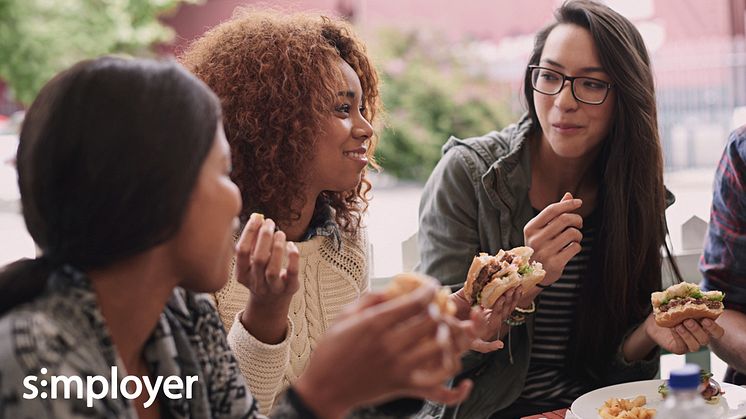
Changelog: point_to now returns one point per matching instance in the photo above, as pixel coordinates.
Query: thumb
(566, 197)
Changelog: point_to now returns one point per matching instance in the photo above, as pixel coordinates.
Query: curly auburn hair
(277, 76)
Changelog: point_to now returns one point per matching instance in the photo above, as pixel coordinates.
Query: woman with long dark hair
(124, 174)
(580, 180)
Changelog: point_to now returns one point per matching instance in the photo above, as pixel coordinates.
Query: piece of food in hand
(708, 388)
(409, 281)
(685, 301)
(255, 215)
(626, 409)
(489, 277)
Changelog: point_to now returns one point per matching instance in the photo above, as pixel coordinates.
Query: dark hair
(276, 76)
(626, 261)
(108, 156)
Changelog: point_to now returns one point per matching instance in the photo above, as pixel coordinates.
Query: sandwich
(685, 301)
(489, 277)
(407, 282)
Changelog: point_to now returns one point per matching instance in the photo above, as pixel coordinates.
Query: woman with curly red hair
(299, 95)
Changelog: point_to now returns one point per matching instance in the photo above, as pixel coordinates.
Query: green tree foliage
(432, 90)
(39, 38)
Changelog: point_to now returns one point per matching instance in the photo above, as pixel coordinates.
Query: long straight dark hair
(626, 261)
(108, 156)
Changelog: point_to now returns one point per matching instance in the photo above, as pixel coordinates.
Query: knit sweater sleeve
(331, 277)
(263, 365)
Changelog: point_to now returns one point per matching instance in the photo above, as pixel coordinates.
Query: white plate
(732, 404)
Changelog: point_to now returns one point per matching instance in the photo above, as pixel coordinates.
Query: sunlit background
(448, 68)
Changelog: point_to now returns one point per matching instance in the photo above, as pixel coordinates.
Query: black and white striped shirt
(546, 382)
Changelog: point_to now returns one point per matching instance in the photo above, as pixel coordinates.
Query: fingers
(260, 253)
(555, 235)
(479, 323)
(411, 331)
(565, 238)
(246, 242)
(690, 342)
(511, 302)
(568, 253)
(430, 377)
(369, 299)
(500, 311)
(448, 396)
(385, 315)
(713, 329)
(463, 308)
(696, 330)
(551, 212)
(559, 225)
(679, 346)
(463, 333)
(432, 358)
(291, 280)
(274, 265)
(478, 319)
(483, 346)
(263, 248)
(467, 334)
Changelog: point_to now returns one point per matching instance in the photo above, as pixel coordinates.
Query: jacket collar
(506, 156)
(508, 179)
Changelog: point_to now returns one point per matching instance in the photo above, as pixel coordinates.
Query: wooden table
(557, 414)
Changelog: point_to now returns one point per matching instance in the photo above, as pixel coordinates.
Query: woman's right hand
(555, 236)
(379, 350)
(259, 255)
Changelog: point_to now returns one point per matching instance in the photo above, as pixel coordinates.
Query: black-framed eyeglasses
(584, 89)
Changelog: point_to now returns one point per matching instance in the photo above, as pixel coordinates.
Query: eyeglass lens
(586, 89)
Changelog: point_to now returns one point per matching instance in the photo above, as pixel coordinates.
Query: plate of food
(640, 399)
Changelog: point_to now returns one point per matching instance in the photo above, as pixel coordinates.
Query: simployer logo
(96, 387)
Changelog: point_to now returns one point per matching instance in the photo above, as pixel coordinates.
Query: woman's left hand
(686, 337)
(487, 323)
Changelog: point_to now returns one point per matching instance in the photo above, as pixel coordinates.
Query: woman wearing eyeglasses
(580, 180)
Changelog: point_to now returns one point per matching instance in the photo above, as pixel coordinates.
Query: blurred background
(447, 68)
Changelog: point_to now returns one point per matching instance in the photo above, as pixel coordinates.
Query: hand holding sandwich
(686, 337)
(497, 283)
(260, 252)
(683, 320)
(469, 327)
(684, 317)
(488, 321)
(385, 346)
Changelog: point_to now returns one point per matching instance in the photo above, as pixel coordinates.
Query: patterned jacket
(723, 263)
(62, 333)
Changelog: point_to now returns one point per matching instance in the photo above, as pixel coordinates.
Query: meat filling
(681, 301)
(482, 279)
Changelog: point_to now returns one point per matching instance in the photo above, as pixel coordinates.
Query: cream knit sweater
(329, 280)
